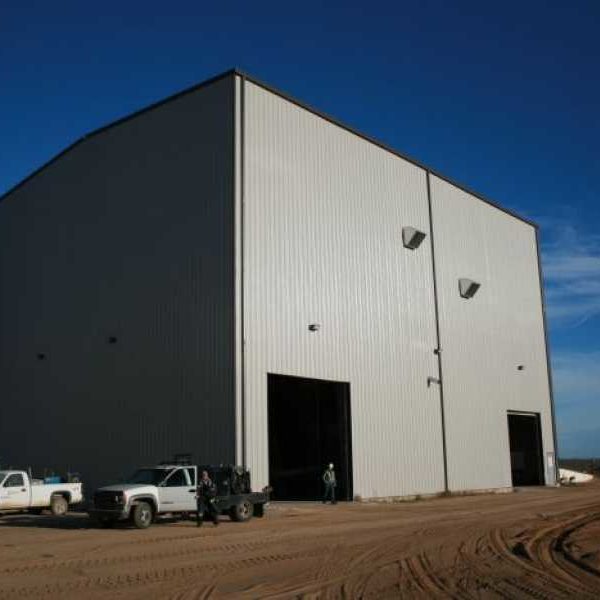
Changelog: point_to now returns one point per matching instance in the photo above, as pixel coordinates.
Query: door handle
(23, 489)
(191, 491)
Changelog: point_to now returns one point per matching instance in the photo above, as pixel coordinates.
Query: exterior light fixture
(520, 367)
(431, 380)
(314, 327)
(412, 238)
(468, 288)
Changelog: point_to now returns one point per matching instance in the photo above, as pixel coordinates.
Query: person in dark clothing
(206, 493)
(330, 484)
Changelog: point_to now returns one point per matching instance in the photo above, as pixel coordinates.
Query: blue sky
(504, 97)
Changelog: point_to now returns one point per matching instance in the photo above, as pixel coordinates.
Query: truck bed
(41, 493)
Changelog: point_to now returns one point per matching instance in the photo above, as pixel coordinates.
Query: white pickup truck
(170, 488)
(19, 492)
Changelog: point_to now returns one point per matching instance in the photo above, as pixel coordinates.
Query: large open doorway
(524, 433)
(309, 426)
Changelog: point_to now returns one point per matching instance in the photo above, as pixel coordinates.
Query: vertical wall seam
(548, 361)
(437, 332)
(242, 265)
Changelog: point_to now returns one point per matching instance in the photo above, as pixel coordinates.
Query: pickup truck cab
(171, 489)
(19, 492)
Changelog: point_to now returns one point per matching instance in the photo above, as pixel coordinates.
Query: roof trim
(95, 132)
(383, 146)
(285, 96)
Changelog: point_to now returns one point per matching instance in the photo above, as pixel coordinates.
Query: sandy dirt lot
(536, 543)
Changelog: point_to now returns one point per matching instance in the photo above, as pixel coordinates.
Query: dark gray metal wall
(129, 234)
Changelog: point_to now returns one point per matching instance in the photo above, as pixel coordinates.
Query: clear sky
(502, 96)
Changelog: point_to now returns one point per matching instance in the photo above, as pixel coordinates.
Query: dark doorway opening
(309, 427)
(524, 432)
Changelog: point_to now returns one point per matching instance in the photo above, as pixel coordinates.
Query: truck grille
(108, 500)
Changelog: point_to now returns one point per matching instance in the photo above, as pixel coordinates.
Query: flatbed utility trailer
(234, 492)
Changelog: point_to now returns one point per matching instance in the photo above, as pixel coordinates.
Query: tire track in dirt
(412, 551)
(89, 563)
(357, 572)
(563, 547)
(548, 548)
(153, 576)
(490, 570)
(202, 593)
(534, 568)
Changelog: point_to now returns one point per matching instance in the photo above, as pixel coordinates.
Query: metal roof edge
(383, 146)
(119, 121)
(236, 71)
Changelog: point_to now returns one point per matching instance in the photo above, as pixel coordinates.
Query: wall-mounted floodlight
(412, 238)
(468, 288)
(314, 327)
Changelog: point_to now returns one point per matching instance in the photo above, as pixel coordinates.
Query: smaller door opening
(526, 459)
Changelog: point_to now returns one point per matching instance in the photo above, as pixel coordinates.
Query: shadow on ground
(72, 521)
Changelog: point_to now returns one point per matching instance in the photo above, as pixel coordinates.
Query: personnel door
(14, 493)
(177, 492)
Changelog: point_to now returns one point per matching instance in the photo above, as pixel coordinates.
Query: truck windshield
(3, 475)
(148, 476)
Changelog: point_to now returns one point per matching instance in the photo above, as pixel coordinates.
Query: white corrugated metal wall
(322, 220)
(323, 214)
(484, 339)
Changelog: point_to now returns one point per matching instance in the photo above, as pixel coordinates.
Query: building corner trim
(548, 361)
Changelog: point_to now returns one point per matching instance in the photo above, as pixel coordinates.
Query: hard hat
(331, 465)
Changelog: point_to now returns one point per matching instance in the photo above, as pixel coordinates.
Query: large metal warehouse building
(233, 274)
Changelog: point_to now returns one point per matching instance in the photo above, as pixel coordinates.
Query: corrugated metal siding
(485, 338)
(323, 215)
(130, 234)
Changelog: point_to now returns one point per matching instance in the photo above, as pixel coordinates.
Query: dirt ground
(535, 543)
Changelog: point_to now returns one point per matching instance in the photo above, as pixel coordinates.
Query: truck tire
(141, 515)
(58, 506)
(242, 511)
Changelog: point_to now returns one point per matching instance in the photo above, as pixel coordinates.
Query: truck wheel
(242, 511)
(58, 506)
(141, 515)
